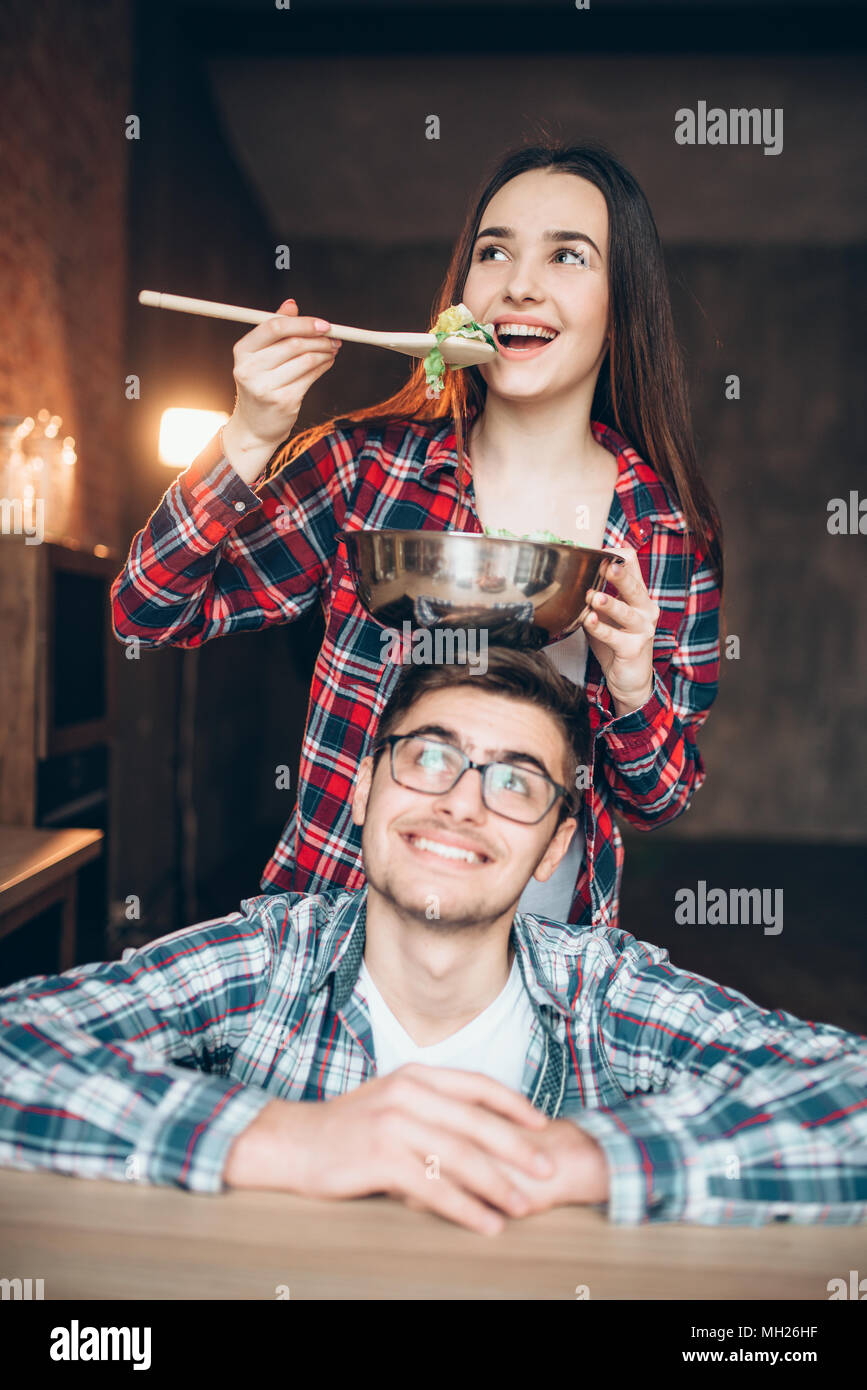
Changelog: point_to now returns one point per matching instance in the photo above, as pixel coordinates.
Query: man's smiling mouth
(427, 844)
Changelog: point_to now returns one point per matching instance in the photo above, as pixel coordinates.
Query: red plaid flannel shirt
(217, 557)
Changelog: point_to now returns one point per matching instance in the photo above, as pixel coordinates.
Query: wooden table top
(32, 860)
(94, 1240)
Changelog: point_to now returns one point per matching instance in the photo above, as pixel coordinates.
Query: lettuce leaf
(454, 322)
(547, 536)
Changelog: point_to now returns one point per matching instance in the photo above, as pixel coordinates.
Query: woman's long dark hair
(641, 389)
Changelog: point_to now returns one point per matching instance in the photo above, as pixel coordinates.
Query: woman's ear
(361, 790)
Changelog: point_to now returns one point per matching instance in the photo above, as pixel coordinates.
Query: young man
(421, 1038)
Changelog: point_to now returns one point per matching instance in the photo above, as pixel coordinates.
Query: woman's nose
(522, 282)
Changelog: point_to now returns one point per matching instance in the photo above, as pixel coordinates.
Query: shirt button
(240, 506)
(597, 917)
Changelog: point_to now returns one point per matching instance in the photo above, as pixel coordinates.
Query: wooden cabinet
(56, 706)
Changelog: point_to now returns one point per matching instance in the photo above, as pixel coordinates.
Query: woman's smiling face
(522, 274)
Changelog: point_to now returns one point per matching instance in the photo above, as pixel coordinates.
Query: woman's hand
(620, 632)
(276, 363)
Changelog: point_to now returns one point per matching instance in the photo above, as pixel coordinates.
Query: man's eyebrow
(552, 234)
(515, 755)
(498, 755)
(433, 731)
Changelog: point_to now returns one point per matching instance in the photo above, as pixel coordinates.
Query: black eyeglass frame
(391, 740)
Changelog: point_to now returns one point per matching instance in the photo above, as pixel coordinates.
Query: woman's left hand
(620, 632)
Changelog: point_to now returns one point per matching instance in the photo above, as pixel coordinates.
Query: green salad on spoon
(456, 321)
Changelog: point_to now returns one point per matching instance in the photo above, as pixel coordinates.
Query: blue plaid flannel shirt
(709, 1109)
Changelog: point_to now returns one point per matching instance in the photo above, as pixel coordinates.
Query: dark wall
(785, 746)
(766, 257)
(200, 731)
(767, 268)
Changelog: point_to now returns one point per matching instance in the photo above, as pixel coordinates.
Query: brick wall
(64, 93)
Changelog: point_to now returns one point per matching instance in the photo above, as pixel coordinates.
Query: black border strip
(540, 29)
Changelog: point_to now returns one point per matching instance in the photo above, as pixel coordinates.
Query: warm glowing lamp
(184, 434)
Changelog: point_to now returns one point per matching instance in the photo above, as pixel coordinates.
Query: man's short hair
(520, 675)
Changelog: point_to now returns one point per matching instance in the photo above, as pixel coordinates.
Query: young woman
(583, 431)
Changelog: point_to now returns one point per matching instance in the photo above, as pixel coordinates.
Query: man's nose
(464, 799)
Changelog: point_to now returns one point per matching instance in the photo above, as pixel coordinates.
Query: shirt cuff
(215, 495)
(644, 728)
(650, 1178)
(187, 1140)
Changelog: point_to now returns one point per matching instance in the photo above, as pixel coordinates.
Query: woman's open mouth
(522, 340)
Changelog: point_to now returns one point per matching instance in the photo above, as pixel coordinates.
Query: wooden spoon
(456, 350)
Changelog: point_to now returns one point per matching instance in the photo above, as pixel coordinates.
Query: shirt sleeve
(217, 557)
(120, 1069)
(650, 757)
(732, 1114)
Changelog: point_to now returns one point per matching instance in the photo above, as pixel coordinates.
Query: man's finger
(479, 1089)
(497, 1135)
(453, 1203)
(438, 1157)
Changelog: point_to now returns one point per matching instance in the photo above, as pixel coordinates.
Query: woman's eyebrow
(552, 234)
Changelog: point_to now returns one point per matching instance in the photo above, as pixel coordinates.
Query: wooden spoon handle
(456, 351)
(369, 335)
(209, 308)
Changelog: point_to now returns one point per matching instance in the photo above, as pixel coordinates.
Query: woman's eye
(582, 257)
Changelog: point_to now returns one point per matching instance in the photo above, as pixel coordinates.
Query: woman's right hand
(275, 365)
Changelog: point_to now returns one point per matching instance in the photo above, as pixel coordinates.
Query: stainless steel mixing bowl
(522, 593)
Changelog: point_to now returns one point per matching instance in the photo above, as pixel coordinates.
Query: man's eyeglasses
(431, 766)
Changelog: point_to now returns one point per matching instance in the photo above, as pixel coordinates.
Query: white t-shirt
(495, 1042)
(553, 899)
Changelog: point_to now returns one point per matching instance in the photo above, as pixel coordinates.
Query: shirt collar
(343, 949)
(643, 498)
(442, 450)
(531, 946)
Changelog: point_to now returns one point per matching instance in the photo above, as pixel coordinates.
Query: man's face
(410, 838)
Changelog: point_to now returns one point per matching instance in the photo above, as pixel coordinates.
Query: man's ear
(361, 790)
(560, 841)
